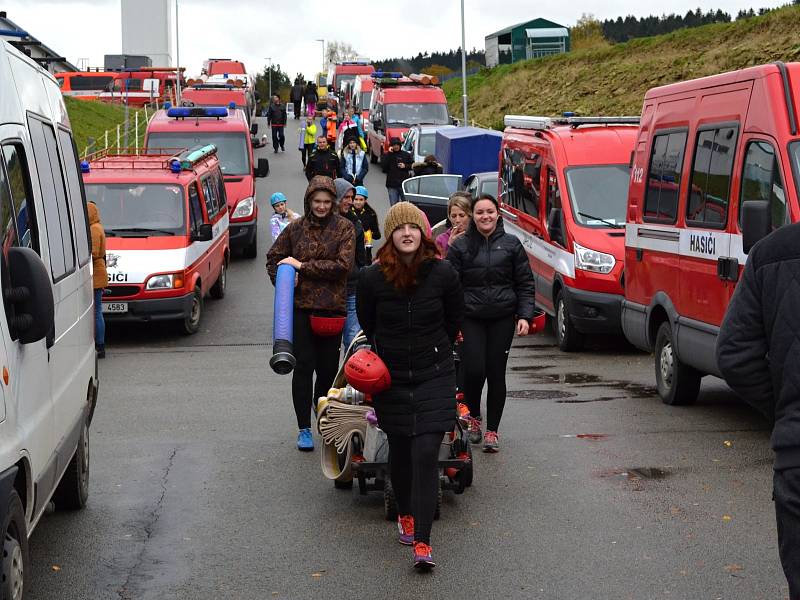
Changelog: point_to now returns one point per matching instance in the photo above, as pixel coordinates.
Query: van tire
(251, 250)
(678, 384)
(14, 557)
(569, 339)
(218, 289)
(191, 324)
(73, 489)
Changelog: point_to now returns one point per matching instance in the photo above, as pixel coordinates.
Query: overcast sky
(251, 30)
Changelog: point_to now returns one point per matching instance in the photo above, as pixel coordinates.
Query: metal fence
(128, 133)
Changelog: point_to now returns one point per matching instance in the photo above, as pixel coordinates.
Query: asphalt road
(198, 492)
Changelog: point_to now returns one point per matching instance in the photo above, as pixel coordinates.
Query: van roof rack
(539, 122)
(171, 159)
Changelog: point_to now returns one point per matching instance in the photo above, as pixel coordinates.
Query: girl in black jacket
(410, 307)
(499, 298)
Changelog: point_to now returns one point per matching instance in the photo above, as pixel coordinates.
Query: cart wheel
(468, 471)
(343, 485)
(389, 502)
(438, 512)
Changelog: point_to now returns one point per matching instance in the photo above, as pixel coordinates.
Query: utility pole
(463, 66)
(269, 76)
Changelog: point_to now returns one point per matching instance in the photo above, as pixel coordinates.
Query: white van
(48, 368)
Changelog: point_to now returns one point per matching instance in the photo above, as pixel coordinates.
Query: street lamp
(463, 65)
(269, 75)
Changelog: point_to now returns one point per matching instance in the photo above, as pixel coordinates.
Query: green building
(531, 39)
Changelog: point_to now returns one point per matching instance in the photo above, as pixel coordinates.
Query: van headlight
(587, 259)
(166, 281)
(244, 208)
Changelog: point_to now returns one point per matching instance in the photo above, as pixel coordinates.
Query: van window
(529, 182)
(599, 195)
(76, 197)
(222, 197)
(664, 178)
(553, 199)
(232, 148)
(139, 210)
(9, 232)
(210, 194)
(54, 197)
(711, 177)
(90, 83)
(20, 186)
(761, 180)
(196, 212)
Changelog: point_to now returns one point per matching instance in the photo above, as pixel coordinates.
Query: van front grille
(120, 291)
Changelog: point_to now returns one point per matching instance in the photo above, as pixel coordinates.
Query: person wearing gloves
(354, 163)
(344, 196)
(410, 306)
(320, 246)
(283, 214)
(100, 276)
(368, 218)
(499, 297)
(397, 165)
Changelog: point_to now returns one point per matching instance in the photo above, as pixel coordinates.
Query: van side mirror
(254, 129)
(554, 226)
(204, 233)
(262, 170)
(30, 296)
(756, 222)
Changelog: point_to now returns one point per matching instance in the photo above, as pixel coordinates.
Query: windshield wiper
(397, 123)
(136, 230)
(605, 222)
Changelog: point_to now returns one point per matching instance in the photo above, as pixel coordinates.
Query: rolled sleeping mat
(283, 360)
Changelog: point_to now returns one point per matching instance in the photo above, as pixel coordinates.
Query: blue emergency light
(184, 112)
(568, 114)
(85, 168)
(175, 166)
(167, 105)
(386, 75)
(232, 105)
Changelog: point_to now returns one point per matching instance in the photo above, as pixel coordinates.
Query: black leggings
(414, 468)
(305, 152)
(313, 354)
(484, 355)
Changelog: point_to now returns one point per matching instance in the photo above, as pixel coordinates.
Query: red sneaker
(405, 526)
(422, 556)
(490, 442)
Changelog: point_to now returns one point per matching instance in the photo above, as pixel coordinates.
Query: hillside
(613, 81)
(92, 119)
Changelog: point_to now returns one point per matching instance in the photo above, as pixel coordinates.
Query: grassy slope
(92, 119)
(613, 81)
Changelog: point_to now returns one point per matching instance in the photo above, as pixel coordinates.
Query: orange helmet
(367, 373)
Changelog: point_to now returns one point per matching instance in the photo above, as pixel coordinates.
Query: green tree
(587, 33)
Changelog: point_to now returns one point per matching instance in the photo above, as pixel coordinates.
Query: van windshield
(417, 114)
(128, 209)
(599, 194)
(366, 99)
(231, 147)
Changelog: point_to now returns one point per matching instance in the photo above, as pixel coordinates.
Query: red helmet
(367, 373)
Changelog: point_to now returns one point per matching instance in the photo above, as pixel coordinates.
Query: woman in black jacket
(410, 306)
(499, 298)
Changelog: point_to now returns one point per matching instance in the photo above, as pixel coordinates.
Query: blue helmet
(276, 198)
(362, 191)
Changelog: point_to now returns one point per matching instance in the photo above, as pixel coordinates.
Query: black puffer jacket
(413, 334)
(495, 274)
(758, 349)
(395, 174)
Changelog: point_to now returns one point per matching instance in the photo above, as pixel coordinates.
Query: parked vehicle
(398, 103)
(715, 169)
(88, 85)
(135, 87)
(431, 193)
(564, 186)
(468, 150)
(218, 94)
(483, 183)
(362, 99)
(420, 140)
(187, 127)
(343, 73)
(223, 66)
(166, 222)
(47, 352)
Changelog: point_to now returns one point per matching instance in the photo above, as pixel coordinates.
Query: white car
(47, 354)
(420, 141)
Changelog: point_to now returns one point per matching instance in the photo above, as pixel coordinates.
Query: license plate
(115, 307)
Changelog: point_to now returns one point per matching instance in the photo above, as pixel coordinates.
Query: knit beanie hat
(400, 214)
(342, 187)
(318, 183)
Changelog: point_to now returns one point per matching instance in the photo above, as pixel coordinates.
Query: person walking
(354, 162)
(283, 214)
(311, 98)
(758, 357)
(410, 306)
(320, 246)
(309, 134)
(429, 166)
(397, 165)
(323, 161)
(99, 278)
(349, 129)
(499, 297)
(296, 96)
(459, 214)
(276, 118)
(345, 193)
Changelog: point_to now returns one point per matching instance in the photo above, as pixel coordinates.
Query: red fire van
(564, 185)
(715, 168)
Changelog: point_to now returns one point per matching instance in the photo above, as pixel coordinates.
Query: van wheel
(251, 251)
(218, 289)
(15, 551)
(569, 339)
(73, 490)
(677, 383)
(191, 324)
